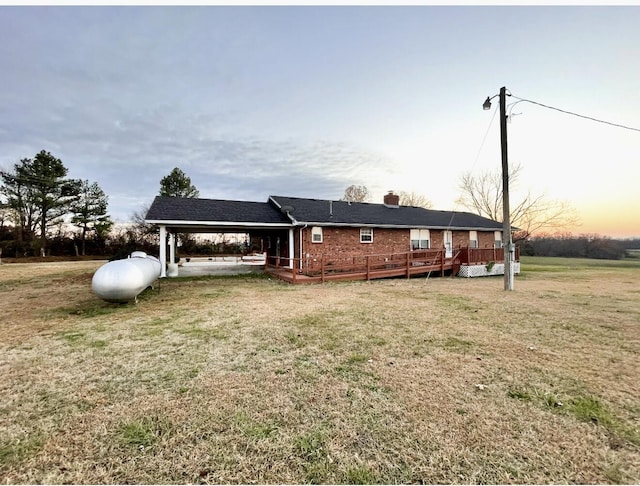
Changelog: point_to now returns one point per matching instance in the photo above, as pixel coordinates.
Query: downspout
(301, 247)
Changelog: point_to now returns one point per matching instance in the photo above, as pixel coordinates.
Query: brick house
(304, 235)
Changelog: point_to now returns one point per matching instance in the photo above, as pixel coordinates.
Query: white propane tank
(123, 280)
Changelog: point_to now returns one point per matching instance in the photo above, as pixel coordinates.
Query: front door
(448, 244)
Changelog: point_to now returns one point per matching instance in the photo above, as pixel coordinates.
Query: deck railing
(380, 265)
(476, 256)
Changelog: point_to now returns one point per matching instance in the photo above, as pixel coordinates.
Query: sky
(304, 101)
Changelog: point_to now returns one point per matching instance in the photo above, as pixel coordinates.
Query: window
(497, 236)
(316, 234)
(420, 239)
(473, 239)
(366, 235)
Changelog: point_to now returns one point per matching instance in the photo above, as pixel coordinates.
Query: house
(323, 239)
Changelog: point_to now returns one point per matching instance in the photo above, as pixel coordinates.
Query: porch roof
(176, 211)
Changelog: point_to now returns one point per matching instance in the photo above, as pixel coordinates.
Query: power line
(484, 139)
(475, 161)
(578, 115)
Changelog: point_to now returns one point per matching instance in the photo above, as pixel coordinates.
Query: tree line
(38, 196)
(38, 201)
(578, 246)
(482, 194)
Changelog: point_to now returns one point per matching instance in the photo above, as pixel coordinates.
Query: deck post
(294, 270)
(408, 266)
(442, 264)
(322, 268)
(368, 267)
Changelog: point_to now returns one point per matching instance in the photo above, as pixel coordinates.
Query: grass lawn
(250, 380)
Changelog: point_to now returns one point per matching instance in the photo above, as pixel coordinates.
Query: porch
(369, 267)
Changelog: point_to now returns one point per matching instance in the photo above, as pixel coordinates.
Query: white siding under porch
(486, 270)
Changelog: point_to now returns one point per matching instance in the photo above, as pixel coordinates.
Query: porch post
(292, 250)
(172, 247)
(163, 251)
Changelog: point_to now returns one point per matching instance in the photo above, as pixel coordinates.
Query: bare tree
(355, 193)
(22, 209)
(142, 228)
(414, 199)
(482, 194)
(4, 215)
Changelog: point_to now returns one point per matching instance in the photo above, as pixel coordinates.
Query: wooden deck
(300, 278)
(369, 267)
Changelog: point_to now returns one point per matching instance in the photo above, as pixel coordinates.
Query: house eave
(234, 224)
(396, 226)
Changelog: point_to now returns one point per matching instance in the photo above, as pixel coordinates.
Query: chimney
(391, 199)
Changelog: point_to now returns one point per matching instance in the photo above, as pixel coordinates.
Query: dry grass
(249, 380)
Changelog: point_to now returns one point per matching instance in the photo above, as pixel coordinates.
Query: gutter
(300, 236)
(396, 226)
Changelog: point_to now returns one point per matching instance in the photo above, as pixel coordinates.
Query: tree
(177, 184)
(413, 199)
(355, 193)
(581, 246)
(50, 192)
(20, 203)
(5, 213)
(482, 194)
(141, 227)
(90, 210)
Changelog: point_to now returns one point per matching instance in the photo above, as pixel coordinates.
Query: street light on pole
(507, 244)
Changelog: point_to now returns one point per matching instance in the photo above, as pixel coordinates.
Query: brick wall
(346, 241)
(486, 239)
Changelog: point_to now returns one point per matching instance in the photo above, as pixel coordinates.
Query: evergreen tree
(177, 184)
(90, 211)
(50, 192)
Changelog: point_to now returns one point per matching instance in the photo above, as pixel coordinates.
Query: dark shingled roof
(214, 210)
(344, 213)
(310, 211)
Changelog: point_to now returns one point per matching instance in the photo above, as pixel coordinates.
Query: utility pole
(507, 244)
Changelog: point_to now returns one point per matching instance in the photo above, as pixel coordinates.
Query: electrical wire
(484, 139)
(577, 114)
(510, 112)
(475, 161)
